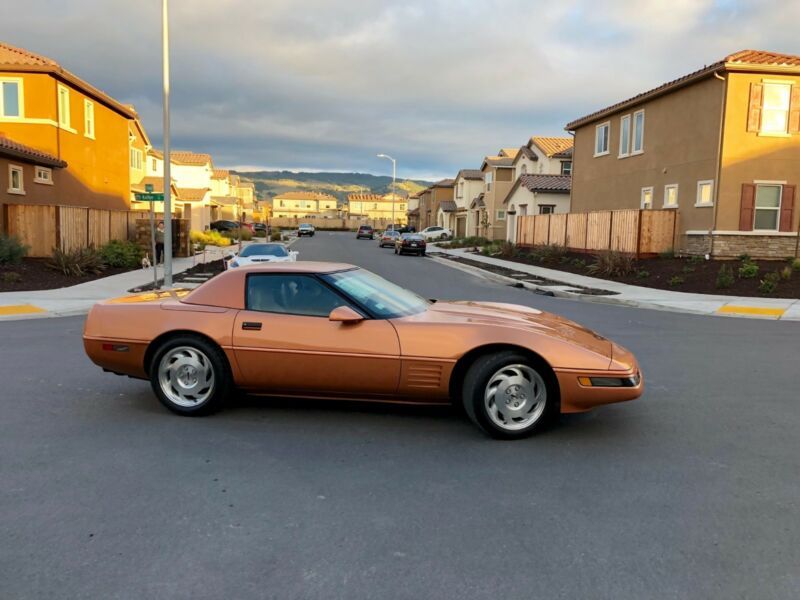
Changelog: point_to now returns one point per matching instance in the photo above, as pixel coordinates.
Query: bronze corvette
(325, 330)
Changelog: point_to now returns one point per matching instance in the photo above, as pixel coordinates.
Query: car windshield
(382, 298)
(305, 226)
(264, 250)
(412, 236)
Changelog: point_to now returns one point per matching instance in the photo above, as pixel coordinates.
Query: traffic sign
(149, 197)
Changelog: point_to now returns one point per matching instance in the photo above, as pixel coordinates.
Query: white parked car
(434, 233)
(261, 253)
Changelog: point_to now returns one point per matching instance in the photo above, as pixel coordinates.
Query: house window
(63, 107)
(136, 158)
(43, 175)
(88, 118)
(402, 207)
(460, 189)
(500, 215)
(602, 134)
(154, 164)
(375, 206)
(625, 136)
(15, 181)
(524, 168)
(671, 195)
(11, 98)
(488, 180)
(638, 132)
(775, 110)
(705, 191)
(547, 209)
(647, 197)
(768, 206)
(566, 167)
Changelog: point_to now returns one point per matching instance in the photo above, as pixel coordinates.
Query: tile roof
(364, 197)
(527, 153)
(478, 202)
(448, 206)
(551, 146)
(559, 184)
(744, 60)
(192, 194)
(15, 59)
(444, 183)
(470, 174)
(509, 152)
(11, 149)
(303, 196)
(155, 152)
(497, 161)
(220, 174)
(225, 200)
(185, 157)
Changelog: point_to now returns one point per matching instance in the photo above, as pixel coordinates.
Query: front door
(284, 342)
(461, 227)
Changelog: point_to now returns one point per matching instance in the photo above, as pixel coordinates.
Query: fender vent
(424, 375)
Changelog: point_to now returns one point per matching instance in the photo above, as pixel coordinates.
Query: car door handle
(251, 325)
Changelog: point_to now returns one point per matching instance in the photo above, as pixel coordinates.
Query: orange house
(47, 108)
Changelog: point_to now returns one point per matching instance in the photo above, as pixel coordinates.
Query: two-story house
(413, 211)
(545, 156)
(50, 110)
(296, 205)
(720, 146)
(466, 187)
(424, 207)
(488, 211)
(223, 194)
(376, 206)
(192, 173)
(441, 202)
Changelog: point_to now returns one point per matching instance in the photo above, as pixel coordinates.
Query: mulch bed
(34, 274)
(699, 277)
(212, 268)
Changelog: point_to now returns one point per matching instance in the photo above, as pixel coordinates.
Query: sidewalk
(632, 295)
(78, 299)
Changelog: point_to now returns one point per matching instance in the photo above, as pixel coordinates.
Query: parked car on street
(259, 228)
(261, 253)
(407, 229)
(412, 243)
(434, 233)
(512, 368)
(306, 229)
(388, 238)
(224, 225)
(365, 231)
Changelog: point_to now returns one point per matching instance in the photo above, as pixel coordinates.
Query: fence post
(610, 229)
(639, 233)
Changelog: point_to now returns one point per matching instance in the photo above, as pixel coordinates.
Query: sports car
(261, 253)
(336, 331)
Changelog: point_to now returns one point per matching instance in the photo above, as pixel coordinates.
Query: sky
(437, 84)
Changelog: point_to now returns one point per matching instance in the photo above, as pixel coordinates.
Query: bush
(748, 270)
(725, 278)
(466, 242)
(795, 264)
(676, 280)
(122, 254)
(578, 263)
(642, 274)
(769, 284)
(688, 269)
(233, 234)
(551, 252)
(507, 249)
(78, 262)
(209, 238)
(12, 250)
(10, 277)
(276, 236)
(612, 263)
(786, 273)
(261, 233)
(667, 254)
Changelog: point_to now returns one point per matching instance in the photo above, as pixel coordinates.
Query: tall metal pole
(167, 174)
(394, 190)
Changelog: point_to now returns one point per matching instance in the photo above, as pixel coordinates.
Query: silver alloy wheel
(515, 397)
(186, 376)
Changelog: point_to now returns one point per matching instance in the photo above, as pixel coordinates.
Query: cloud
(436, 83)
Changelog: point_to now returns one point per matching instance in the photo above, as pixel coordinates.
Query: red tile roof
(11, 149)
(756, 60)
(192, 194)
(220, 174)
(184, 157)
(559, 184)
(304, 196)
(470, 174)
(551, 146)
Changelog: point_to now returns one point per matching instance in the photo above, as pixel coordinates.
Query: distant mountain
(272, 183)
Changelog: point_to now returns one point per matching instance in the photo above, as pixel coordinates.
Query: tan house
(441, 202)
(720, 146)
(535, 195)
(544, 155)
(466, 187)
(296, 205)
(488, 210)
(192, 172)
(424, 218)
(375, 206)
(223, 194)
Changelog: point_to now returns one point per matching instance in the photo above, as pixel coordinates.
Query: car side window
(291, 294)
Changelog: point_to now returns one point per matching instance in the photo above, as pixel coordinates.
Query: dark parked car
(410, 242)
(224, 226)
(260, 228)
(365, 231)
(305, 229)
(388, 238)
(407, 229)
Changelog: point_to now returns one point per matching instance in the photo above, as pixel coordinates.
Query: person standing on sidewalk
(160, 242)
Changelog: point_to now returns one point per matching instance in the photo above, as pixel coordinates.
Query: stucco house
(536, 195)
(720, 146)
(488, 210)
(466, 187)
(544, 155)
(192, 173)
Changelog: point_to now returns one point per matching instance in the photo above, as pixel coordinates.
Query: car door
(284, 341)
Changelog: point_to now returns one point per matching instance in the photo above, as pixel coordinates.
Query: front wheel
(510, 396)
(190, 376)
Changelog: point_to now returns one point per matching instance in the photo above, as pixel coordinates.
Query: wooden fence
(45, 227)
(639, 232)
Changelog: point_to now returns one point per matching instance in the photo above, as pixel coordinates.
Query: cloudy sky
(325, 85)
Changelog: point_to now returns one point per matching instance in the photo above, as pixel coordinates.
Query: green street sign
(149, 197)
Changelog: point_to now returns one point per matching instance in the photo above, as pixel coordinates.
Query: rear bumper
(125, 357)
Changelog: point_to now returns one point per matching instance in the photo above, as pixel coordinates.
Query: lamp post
(394, 175)
(167, 174)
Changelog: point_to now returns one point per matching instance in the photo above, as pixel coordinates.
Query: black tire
(223, 380)
(477, 379)
(422, 253)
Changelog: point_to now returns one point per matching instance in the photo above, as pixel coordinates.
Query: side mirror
(344, 314)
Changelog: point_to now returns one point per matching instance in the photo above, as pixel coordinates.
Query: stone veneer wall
(731, 245)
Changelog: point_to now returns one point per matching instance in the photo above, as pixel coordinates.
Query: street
(689, 492)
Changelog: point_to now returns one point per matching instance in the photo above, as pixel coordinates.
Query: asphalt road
(691, 492)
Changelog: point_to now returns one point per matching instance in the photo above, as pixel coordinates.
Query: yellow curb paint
(762, 311)
(20, 309)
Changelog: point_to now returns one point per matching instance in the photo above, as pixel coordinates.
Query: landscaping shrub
(786, 273)
(12, 250)
(667, 254)
(11, 277)
(551, 252)
(769, 284)
(795, 264)
(642, 274)
(209, 238)
(466, 242)
(612, 263)
(507, 249)
(122, 254)
(676, 280)
(688, 269)
(748, 270)
(276, 236)
(78, 262)
(725, 278)
(233, 234)
(578, 263)
(261, 233)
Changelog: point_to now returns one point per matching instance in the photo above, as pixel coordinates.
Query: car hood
(519, 317)
(259, 259)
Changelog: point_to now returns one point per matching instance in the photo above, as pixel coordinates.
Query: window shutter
(787, 208)
(747, 206)
(756, 101)
(794, 110)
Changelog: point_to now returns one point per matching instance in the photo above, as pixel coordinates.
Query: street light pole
(167, 174)
(394, 177)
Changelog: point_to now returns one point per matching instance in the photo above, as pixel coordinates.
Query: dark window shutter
(794, 110)
(747, 207)
(756, 101)
(787, 208)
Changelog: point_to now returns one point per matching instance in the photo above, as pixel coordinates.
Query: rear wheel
(190, 376)
(510, 396)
